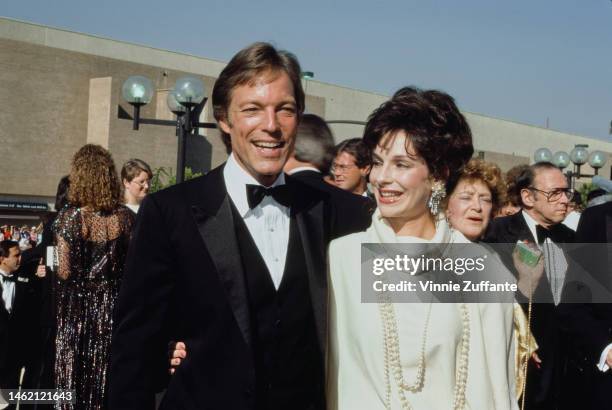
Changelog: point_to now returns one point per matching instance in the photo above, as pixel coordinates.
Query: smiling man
(233, 263)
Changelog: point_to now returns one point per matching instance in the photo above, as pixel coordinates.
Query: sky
(529, 61)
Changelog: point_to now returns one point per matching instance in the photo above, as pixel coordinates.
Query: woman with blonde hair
(475, 194)
(92, 235)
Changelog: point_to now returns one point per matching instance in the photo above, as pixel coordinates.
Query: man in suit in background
(234, 263)
(352, 165)
(312, 159)
(313, 152)
(17, 320)
(544, 197)
(590, 324)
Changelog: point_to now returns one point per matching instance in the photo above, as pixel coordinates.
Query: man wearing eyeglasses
(544, 197)
(351, 166)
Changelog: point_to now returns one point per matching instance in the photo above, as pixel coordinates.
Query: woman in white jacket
(414, 355)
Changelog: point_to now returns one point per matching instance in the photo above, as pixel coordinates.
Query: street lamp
(578, 156)
(542, 155)
(186, 101)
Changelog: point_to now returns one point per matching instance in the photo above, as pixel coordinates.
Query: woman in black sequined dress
(92, 237)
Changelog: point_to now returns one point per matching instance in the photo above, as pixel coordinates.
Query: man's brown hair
(245, 66)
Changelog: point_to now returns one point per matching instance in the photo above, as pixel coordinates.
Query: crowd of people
(241, 290)
(27, 237)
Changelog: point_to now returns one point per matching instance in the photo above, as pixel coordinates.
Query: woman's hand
(176, 353)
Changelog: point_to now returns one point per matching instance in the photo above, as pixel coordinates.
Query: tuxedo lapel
(519, 229)
(212, 211)
(4, 314)
(309, 215)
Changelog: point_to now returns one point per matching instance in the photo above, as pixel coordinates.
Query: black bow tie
(11, 278)
(551, 233)
(280, 193)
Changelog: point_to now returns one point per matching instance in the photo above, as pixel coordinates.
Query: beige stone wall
(54, 101)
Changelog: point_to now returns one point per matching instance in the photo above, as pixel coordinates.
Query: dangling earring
(437, 194)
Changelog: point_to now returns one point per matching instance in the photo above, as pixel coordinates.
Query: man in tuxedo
(313, 152)
(312, 158)
(16, 316)
(544, 197)
(233, 263)
(590, 324)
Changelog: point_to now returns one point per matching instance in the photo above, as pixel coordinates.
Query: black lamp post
(186, 101)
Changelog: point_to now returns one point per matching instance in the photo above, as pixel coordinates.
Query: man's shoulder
(332, 194)
(598, 211)
(203, 185)
(503, 223)
(568, 232)
(504, 228)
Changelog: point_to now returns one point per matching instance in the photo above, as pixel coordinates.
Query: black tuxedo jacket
(590, 324)
(16, 333)
(184, 281)
(508, 230)
(315, 180)
(543, 384)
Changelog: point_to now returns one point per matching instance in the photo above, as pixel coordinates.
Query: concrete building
(60, 90)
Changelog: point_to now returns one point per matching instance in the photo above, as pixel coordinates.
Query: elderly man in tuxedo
(544, 197)
(234, 263)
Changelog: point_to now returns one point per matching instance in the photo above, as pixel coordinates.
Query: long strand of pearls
(392, 361)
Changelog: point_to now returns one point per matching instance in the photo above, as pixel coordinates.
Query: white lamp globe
(173, 103)
(542, 155)
(137, 90)
(561, 159)
(597, 159)
(189, 90)
(579, 155)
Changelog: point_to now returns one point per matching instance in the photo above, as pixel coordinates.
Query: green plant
(584, 190)
(164, 177)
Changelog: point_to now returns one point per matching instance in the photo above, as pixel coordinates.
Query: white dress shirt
(268, 222)
(133, 208)
(571, 220)
(299, 169)
(8, 291)
(555, 263)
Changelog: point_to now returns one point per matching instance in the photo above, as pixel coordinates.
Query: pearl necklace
(393, 363)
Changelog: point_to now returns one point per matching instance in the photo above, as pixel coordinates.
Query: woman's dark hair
(513, 193)
(437, 130)
(61, 197)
